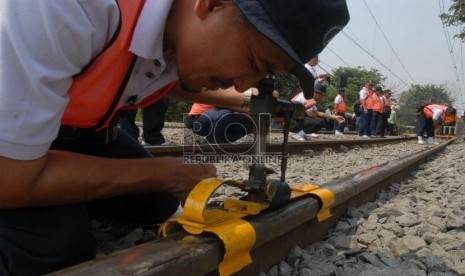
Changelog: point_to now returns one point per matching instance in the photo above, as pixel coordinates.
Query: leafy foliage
(287, 85)
(175, 111)
(456, 17)
(356, 79)
(420, 94)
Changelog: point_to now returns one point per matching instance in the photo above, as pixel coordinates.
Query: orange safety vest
(341, 108)
(369, 98)
(449, 119)
(94, 94)
(428, 110)
(198, 108)
(377, 105)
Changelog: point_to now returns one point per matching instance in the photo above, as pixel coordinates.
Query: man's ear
(203, 7)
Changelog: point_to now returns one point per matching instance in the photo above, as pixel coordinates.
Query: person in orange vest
(449, 121)
(218, 125)
(366, 110)
(340, 108)
(378, 105)
(69, 67)
(386, 113)
(429, 118)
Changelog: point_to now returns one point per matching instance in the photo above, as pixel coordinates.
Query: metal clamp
(238, 236)
(324, 196)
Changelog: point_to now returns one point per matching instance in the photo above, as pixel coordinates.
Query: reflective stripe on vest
(95, 94)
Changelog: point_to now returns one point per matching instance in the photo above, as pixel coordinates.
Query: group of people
(375, 110)
(70, 68)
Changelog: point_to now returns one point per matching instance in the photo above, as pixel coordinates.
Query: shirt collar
(147, 41)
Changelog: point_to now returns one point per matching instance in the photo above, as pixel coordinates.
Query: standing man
(68, 67)
(366, 110)
(378, 105)
(429, 118)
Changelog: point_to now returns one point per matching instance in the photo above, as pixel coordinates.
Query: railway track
(274, 147)
(276, 231)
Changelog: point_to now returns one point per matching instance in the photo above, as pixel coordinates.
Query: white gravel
(415, 227)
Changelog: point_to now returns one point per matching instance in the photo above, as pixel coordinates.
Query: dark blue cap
(301, 28)
(378, 88)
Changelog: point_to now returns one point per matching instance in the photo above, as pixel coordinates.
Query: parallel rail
(276, 231)
(247, 148)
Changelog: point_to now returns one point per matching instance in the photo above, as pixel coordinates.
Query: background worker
(366, 110)
(314, 119)
(153, 122)
(378, 104)
(449, 124)
(392, 121)
(340, 108)
(68, 68)
(429, 118)
(311, 66)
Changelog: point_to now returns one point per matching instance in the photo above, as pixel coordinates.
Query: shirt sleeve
(363, 94)
(43, 44)
(437, 114)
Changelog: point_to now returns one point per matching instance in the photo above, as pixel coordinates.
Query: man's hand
(184, 177)
(340, 119)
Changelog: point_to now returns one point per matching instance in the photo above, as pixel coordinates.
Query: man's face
(222, 50)
(317, 95)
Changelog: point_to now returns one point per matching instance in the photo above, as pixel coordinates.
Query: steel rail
(247, 148)
(276, 231)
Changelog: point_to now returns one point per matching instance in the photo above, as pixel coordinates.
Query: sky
(406, 30)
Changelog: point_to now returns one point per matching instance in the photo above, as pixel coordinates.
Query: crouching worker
(430, 118)
(68, 67)
(314, 120)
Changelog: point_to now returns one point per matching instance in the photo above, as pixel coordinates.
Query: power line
(320, 61)
(387, 40)
(334, 53)
(373, 57)
(451, 49)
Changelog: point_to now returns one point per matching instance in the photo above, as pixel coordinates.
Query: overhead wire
(376, 59)
(389, 43)
(459, 77)
(334, 53)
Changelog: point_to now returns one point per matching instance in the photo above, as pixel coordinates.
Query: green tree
(175, 111)
(421, 94)
(287, 85)
(356, 79)
(456, 17)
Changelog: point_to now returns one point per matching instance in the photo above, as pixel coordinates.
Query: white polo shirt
(44, 43)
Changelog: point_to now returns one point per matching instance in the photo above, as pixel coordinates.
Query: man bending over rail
(68, 67)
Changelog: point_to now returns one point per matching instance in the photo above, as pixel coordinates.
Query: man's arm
(65, 177)
(227, 98)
